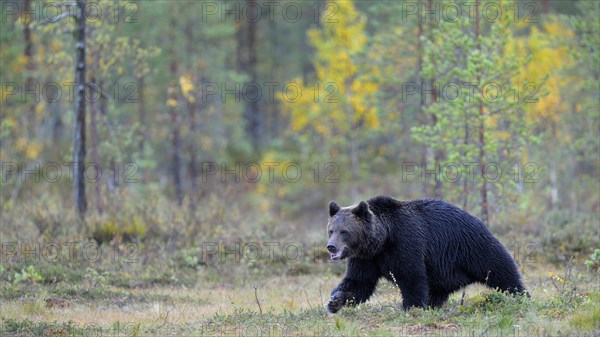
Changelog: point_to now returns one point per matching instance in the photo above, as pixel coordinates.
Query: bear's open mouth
(336, 256)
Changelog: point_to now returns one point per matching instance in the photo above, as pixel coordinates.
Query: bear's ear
(333, 208)
(362, 210)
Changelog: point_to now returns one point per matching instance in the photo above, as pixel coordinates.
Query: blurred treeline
(175, 86)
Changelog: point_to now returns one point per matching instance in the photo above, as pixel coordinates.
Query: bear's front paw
(336, 302)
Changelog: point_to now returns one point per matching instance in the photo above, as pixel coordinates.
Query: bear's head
(349, 229)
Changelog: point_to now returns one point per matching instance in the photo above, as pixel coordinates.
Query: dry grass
(295, 305)
(170, 290)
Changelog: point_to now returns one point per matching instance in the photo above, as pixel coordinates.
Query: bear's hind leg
(415, 289)
(415, 296)
(508, 281)
(437, 299)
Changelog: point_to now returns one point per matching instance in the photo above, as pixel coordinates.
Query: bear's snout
(336, 253)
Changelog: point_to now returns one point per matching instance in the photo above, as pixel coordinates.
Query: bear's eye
(344, 232)
(330, 232)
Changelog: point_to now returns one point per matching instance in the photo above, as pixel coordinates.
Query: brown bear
(429, 248)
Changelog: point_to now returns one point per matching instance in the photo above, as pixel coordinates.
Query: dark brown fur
(429, 248)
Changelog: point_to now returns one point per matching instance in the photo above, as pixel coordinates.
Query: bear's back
(434, 223)
(430, 214)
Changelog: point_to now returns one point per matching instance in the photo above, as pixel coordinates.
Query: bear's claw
(336, 302)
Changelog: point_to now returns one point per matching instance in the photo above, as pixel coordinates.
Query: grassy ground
(180, 296)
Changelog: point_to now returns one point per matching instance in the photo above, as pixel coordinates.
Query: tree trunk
(112, 181)
(192, 165)
(273, 125)
(240, 47)
(176, 148)
(354, 160)
(56, 123)
(27, 29)
(29, 66)
(94, 143)
(95, 92)
(437, 153)
(465, 190)
(573, 167)
(192, 105)
(79, 199)
(545, 6)
(308, 68)
(354, 169)
(421, 80)
(484, 201)
(175, 132)
(142, 116)
(252, 109)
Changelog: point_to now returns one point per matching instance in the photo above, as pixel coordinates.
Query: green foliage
(370, 129)
(506, 305)
(593, 264)
(128, 229)
(565, 285)
(588, 317)
(105, 232)
(565, 235)
(453, 57)
(28, 275)
(94, 278)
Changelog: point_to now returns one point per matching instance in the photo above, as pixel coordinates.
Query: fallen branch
(257, 301)
(166, 317)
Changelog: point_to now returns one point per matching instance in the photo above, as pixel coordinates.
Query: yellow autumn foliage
(30, 148)
(548, 59)
(346, 91)
(172, 102)
(187, 87)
